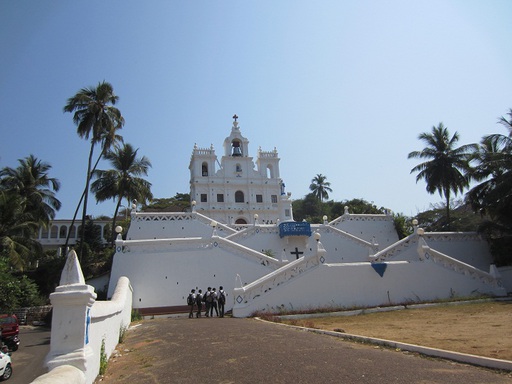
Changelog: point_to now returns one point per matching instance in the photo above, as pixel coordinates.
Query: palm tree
(31, 182)
(320, 187)
(448, 167)
(494, 168)
(123, 180)
(96, 118)
(109, 140)
(17, 230)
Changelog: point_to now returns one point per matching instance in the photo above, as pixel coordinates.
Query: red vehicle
(10, 329)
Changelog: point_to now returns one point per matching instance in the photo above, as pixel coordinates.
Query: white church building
(237, 190)
(241, 235)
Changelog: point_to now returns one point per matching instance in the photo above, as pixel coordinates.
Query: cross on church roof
(235, 117)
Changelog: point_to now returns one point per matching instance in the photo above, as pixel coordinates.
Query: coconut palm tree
(17, 230)
(447, 169)
(320, 187)
(31, 182)
(493, 167)
(123, 181)
(110, 139)
(96, 118)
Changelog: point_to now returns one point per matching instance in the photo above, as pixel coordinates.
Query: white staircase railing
(247, 296)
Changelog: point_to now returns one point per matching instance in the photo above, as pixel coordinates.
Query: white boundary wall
(308, 283)
(80, 325)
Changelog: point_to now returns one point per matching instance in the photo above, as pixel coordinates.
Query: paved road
(28, 360)
(228, 350)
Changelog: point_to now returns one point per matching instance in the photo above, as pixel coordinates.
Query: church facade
(237, 189)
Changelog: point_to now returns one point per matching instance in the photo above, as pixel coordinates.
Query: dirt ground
(481, 329)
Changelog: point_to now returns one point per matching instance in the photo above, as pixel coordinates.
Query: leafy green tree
(30, 181)
(447, 169)
(403, 225)
(309, 209)
(178, 203)
(463, 219)
(320, 187)
(16, 291)
(493, 168)
(361, 206)
(123, 181)
(492, 198)
(96, 119)
(18, 230)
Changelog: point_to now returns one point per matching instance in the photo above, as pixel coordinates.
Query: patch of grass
(103, 358)
(122, 334)
(136, 316)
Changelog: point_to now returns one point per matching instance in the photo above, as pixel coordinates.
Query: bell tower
(236, 145)
(240, 190)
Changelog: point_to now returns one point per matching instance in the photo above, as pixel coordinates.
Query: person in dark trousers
(221, 298)
(208, 301)
(199, 302)
(191, 299)
(213, 295)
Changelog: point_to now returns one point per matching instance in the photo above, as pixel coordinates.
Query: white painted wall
(351, 285)
(506, 276)
(80, 324)
(163, 266)
(369, 227)
(162, 273)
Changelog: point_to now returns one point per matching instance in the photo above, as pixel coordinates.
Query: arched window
(270, 172)
(72, 232)
(204, 169)
(239, 197)
(54, 232)
(240, 221)
(63, 232)
(238, 168)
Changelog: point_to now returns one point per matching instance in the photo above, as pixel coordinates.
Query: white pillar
(72, 302)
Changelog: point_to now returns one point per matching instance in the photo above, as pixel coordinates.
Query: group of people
(212, 300)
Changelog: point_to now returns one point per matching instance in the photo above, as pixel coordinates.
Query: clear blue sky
(341, 88)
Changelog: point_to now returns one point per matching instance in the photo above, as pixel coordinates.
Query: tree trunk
(78, 207)
(447, 195)
(86, 192)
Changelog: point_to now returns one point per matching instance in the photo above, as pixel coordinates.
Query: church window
(220, 197)
(204, 198)
(274, 199)
(238, 168)
(239, 197)
(204, 169)
(259, 198)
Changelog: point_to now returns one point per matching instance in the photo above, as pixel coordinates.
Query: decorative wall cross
(296, 253)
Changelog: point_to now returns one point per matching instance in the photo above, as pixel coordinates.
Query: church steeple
(236, 145)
